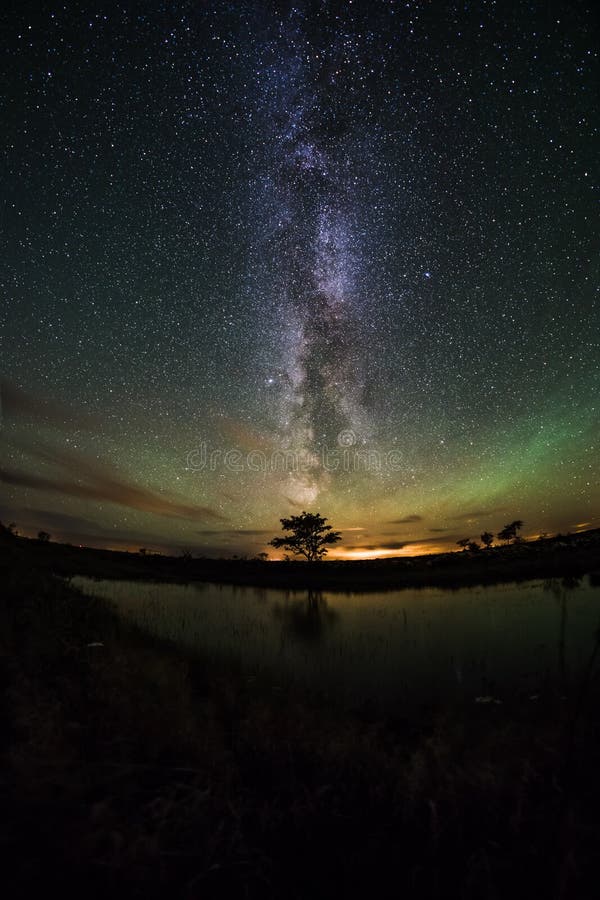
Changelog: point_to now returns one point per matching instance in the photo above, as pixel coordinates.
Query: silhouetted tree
(487, 539)
(43, 536)
(142, 551)
(509, 532)
(262, 557)
(464, 542)
(473, 546)
(309, 536)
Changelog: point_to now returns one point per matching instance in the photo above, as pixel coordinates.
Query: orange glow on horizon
(416, 549)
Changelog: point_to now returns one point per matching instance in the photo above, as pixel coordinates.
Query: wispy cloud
(244, 436)
(66, 527)
(235, 532)
(75, 474)
(112, 491)
(396, 545)
(48, 519)
(17, 405)
(96, 481)
(479, 514)
(407, 520)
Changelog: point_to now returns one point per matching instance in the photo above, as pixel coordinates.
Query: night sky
(351, 245)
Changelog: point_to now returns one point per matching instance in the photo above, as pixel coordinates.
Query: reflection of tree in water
(560, 587)
(306, 619)
(259, 594)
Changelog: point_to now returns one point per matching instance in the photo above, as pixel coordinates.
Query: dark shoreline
(572, 556)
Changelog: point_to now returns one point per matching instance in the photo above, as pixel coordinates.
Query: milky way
(314, 245)
(300, 228)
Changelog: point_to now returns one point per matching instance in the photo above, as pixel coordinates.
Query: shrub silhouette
(487, 539)
(509, 532)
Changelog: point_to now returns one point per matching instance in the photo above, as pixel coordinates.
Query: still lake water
(392, 648)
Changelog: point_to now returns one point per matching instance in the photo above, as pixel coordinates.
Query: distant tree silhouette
(487, 539)
(509, 532)
(473, 546)
(43, 536)
(142, 551)
(464, 542)
(262, 557)
(309, 536)
(7, 531)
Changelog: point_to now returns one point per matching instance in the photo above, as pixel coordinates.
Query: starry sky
(266, 257)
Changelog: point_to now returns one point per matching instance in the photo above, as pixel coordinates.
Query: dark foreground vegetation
(563, 555)
(130, 770)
